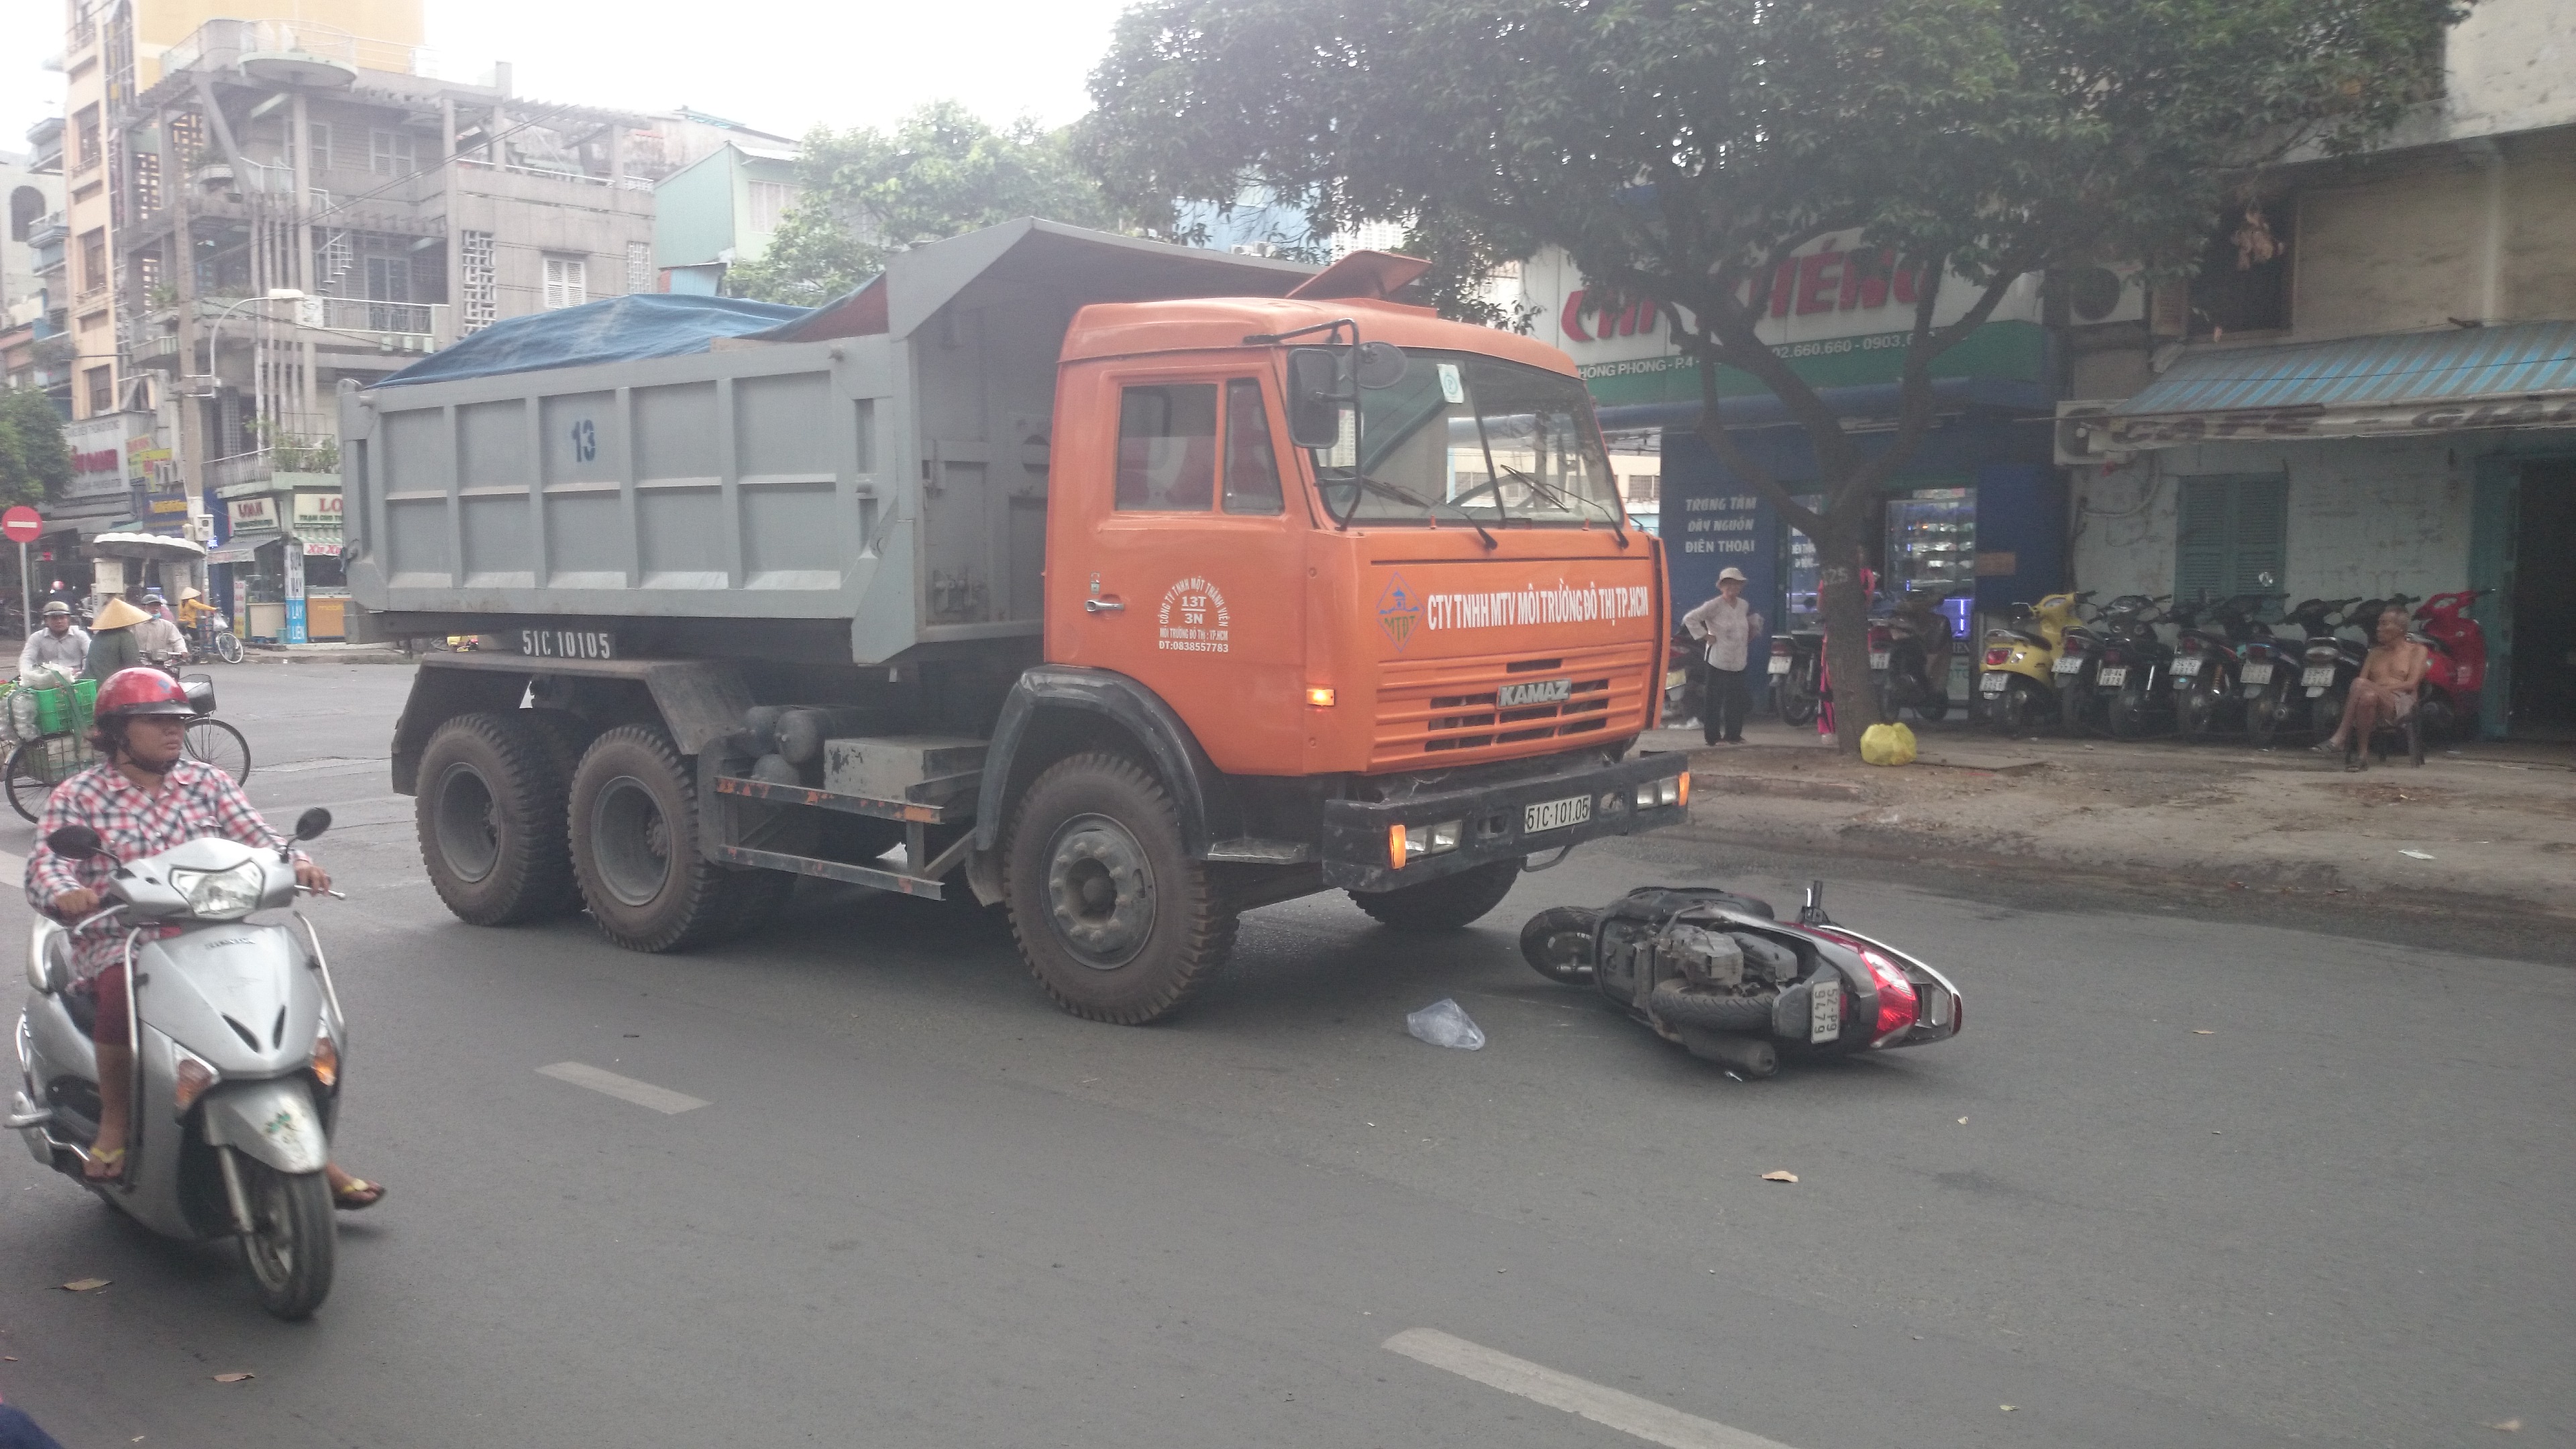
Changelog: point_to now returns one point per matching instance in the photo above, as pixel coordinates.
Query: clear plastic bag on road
(1445, 1024)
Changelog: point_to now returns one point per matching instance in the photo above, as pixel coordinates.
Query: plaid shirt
(199, 801)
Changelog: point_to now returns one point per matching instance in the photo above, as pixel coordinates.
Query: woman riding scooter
(142, 798)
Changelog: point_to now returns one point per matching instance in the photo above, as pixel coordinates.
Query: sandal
(358, 1195)
(102, 1166)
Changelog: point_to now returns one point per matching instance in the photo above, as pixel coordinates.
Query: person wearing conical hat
(112, 645)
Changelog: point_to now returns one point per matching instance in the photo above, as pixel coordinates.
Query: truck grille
(1450, 710)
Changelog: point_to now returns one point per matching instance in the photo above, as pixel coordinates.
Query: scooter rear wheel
(2267, 716)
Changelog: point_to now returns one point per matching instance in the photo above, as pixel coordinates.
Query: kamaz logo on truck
(568, 643)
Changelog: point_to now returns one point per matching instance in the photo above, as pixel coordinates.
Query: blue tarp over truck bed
(620, 329)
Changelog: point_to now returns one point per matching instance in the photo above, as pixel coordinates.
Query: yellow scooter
(2018, 685)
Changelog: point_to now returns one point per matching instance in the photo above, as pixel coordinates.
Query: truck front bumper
(1447, 831)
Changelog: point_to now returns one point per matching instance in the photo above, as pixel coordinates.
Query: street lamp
(215, 334)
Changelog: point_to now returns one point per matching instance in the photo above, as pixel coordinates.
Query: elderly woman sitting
(2385, 692)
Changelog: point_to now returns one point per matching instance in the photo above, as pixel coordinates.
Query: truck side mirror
(1316, 393)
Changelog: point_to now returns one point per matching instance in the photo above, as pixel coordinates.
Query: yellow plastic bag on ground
(1887, 744)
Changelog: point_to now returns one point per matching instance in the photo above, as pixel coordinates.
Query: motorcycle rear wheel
(2018, 713)
(2325, 712)
(2128, 713)
(2267, 716)
(2195, 712)
(294, 1242)
(1797, 694)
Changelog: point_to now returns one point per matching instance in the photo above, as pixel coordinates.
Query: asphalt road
(2182, 1181)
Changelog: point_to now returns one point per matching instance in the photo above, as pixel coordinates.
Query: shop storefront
(278, 567)
(2411, 464)
(1976, 515)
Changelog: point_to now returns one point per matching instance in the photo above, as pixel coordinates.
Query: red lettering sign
(1819, 280)
(102, 461)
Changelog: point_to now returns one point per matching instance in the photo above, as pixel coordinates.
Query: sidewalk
(2492, 821)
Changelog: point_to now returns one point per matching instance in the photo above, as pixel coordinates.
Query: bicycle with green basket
(51, 726)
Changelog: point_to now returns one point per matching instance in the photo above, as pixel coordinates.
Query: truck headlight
(221, 895)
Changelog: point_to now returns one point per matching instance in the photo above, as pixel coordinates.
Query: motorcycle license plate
(1878, 659)
(1779, 665)
(2112, 677)
(2256, 674)
(2318, 676)
(2072, 664)
(1825, 1011)
(1555, 814)
(2187, 666)
(1992, 683)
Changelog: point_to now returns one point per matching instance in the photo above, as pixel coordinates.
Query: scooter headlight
(326, 1058)
(221, 895)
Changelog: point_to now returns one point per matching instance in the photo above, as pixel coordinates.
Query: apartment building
(2370, 388)
(261, 208)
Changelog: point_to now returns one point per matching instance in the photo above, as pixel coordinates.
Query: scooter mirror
(312, 823)
(76, 841)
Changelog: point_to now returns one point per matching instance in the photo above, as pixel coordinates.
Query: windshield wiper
(1561, 498)
(1363, 483)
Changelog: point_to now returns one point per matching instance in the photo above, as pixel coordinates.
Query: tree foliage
(1679, 150)
(943, 171)
(33, 456)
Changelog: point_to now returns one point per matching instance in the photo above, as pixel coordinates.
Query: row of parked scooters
(2140, 666)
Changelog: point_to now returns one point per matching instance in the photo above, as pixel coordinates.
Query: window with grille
(102, 390)
(769, 203)
(567, 282)
(480, 302)
(85, 138)
(147, 181)
(93, 255)
(392, 153)
(1641, 487)
(639, 267)
(317, 145)
(2231, 536)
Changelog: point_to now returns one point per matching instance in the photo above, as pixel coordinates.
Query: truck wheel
(1444, 904)
(490, 814)
(634, 817)
(1117, 923)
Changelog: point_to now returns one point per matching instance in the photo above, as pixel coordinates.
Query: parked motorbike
(2019, 683)
(1796, 671)
(1909, 658)
(2205, 663)
(1681, 656)
(1718, 974)
(2272, 671)
(2134, 660)
(238, 1049)
(2079, 652)
(2455, 678)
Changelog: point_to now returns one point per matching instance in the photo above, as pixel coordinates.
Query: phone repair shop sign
(253, 515)
(98, 456)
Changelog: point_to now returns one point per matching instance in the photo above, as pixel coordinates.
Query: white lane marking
(1644, 1418)
(13, 864)
(626, 1089)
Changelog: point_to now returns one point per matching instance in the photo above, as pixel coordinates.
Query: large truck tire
(1444, 904)
(1117, 923)
(634, 818)
(490, 814)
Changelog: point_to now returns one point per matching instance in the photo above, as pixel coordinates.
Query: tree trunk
(1844, 606)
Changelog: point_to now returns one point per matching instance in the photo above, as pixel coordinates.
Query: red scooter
(2456, 673)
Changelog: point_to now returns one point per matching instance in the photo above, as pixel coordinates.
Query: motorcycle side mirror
(77, 841)
(312, 823)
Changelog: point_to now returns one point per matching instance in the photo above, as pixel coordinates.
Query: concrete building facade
(2369, 390)
(720, 209)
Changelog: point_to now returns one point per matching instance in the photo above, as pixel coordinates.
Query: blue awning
(2517, 376)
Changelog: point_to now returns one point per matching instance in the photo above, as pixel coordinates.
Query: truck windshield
(1473, 439)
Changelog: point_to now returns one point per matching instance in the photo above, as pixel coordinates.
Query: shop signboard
(164, 512)
(253, 515)
(1838, 313)
(295, 632)
(98, 455)
(317, 510)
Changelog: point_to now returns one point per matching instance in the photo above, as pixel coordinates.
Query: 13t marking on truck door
(568, 643)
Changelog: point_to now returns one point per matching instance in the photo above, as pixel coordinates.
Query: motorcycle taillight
(1998, 657)
(2071, 645)
(1897, 1002)
(1781, 649)
(2192, 644)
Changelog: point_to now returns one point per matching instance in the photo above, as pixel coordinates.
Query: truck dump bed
(880, 464)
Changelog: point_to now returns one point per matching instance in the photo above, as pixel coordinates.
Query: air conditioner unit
(2083, 435)
(201, 529)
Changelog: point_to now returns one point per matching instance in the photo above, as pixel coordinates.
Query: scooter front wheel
(293, 1242)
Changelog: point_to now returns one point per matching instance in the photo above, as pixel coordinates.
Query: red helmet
(130, 692)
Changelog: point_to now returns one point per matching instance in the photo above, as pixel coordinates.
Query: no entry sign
(22, 524)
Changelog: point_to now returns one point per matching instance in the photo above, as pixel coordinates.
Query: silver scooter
(238, 1047)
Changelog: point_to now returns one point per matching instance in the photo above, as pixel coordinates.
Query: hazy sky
(781, 66)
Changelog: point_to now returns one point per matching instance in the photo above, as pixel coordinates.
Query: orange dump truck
(1126, 585)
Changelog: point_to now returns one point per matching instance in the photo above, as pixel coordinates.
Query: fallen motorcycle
(1721, 976)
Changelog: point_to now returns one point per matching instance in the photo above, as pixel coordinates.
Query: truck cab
(1171, 584)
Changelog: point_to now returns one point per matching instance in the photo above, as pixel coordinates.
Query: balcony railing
(47, 230)
(578, 178)
(222, 45)
(410, 324)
